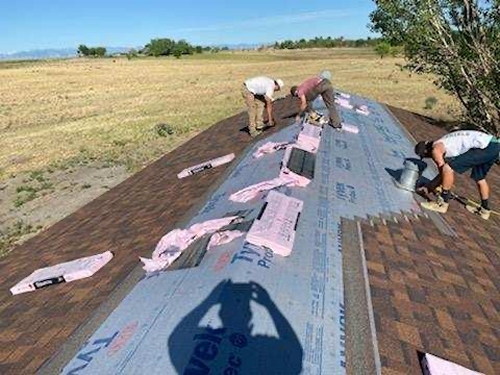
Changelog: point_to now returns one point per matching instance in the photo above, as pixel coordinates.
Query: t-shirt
(459, 142)
(261, 86)
(308, 85)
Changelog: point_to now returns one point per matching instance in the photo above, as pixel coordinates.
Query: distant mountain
(53, 53)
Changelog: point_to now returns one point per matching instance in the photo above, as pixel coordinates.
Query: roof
(432, 281)
(432, 292)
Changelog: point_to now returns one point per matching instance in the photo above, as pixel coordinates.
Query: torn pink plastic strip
(63, 272)
(224, 237)
(269, 148)
(275, 228)
(205, 165)
(252, 191)
(350, 128)
(171, 245)
(433, 365)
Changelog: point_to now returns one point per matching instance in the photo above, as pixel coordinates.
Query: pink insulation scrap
(269, 148)
(309, 138)
(363, 110)
(205, 165)
(275, 227)
(252, 191)
(433, 365)
(63, 272)
(350, 128)
(344, 103)
(224, 237)
(171, 245)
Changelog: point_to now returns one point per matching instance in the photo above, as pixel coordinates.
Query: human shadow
(230, 348)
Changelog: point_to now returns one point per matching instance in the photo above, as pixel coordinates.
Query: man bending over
(458, 152)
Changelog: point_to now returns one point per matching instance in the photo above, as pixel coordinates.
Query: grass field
(57, 112)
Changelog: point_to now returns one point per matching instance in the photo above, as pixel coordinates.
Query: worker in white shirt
(460, 151)
(258, 93)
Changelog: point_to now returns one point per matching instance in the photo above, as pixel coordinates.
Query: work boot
(255, 133)
(439, 205)
(335, 125)
(481, 211)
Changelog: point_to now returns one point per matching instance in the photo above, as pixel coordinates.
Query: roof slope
(436, 293)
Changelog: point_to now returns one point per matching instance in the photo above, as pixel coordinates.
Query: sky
(40, 24)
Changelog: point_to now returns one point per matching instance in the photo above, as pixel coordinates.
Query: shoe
(335, 126)
(255, 133)
(439, 205)
(481, 211)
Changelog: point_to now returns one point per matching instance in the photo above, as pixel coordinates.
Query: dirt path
(30, 203)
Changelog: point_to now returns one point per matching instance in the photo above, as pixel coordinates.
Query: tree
(131, 53)
(383, 49)
(160, 47)
(99, 52)
(83, 50)
(457, 41)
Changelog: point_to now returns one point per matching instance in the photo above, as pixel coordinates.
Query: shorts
(480, 160)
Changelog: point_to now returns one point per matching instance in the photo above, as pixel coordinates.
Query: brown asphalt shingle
(129, 220)
(435, 293)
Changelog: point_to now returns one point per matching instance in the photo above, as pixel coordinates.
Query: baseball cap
(280, 83)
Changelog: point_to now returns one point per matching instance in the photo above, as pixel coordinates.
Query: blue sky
(35, 24)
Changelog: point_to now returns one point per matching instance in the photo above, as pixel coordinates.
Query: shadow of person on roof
(230, 348)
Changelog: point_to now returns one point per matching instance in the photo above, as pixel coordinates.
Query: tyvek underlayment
(244, 310)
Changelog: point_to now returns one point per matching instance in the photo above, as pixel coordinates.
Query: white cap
(325, 74)
(280, 83)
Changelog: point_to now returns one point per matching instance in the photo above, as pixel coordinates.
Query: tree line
(170, 47)
(83, 50)
(328, 42)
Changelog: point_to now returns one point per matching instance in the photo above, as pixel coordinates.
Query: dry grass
(107, 108)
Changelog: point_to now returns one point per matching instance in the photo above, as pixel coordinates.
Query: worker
(258, 93)
(458, 152)
(310, 89)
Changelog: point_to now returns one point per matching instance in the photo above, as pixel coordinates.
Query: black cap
(423, 149)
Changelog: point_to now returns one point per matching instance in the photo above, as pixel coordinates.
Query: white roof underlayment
(243, 309)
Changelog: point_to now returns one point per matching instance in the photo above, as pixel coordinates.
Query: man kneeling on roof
(460, 151)
(313, 87)
(258, 93)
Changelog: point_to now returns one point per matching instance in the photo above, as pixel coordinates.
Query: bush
(164, 130)
(430, 102)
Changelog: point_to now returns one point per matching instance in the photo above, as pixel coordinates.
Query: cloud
(271, 21)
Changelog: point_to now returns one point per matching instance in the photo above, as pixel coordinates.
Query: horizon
(44, 25)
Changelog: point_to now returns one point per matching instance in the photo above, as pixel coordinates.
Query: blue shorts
(480, 160)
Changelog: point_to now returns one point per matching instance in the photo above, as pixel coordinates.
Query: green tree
(457, 41)
(177, 52)
(99, 52)
(83, 50)
(160, 47)
(198, 49)
(383, 49)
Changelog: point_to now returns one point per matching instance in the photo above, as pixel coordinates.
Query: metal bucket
(413, 169)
